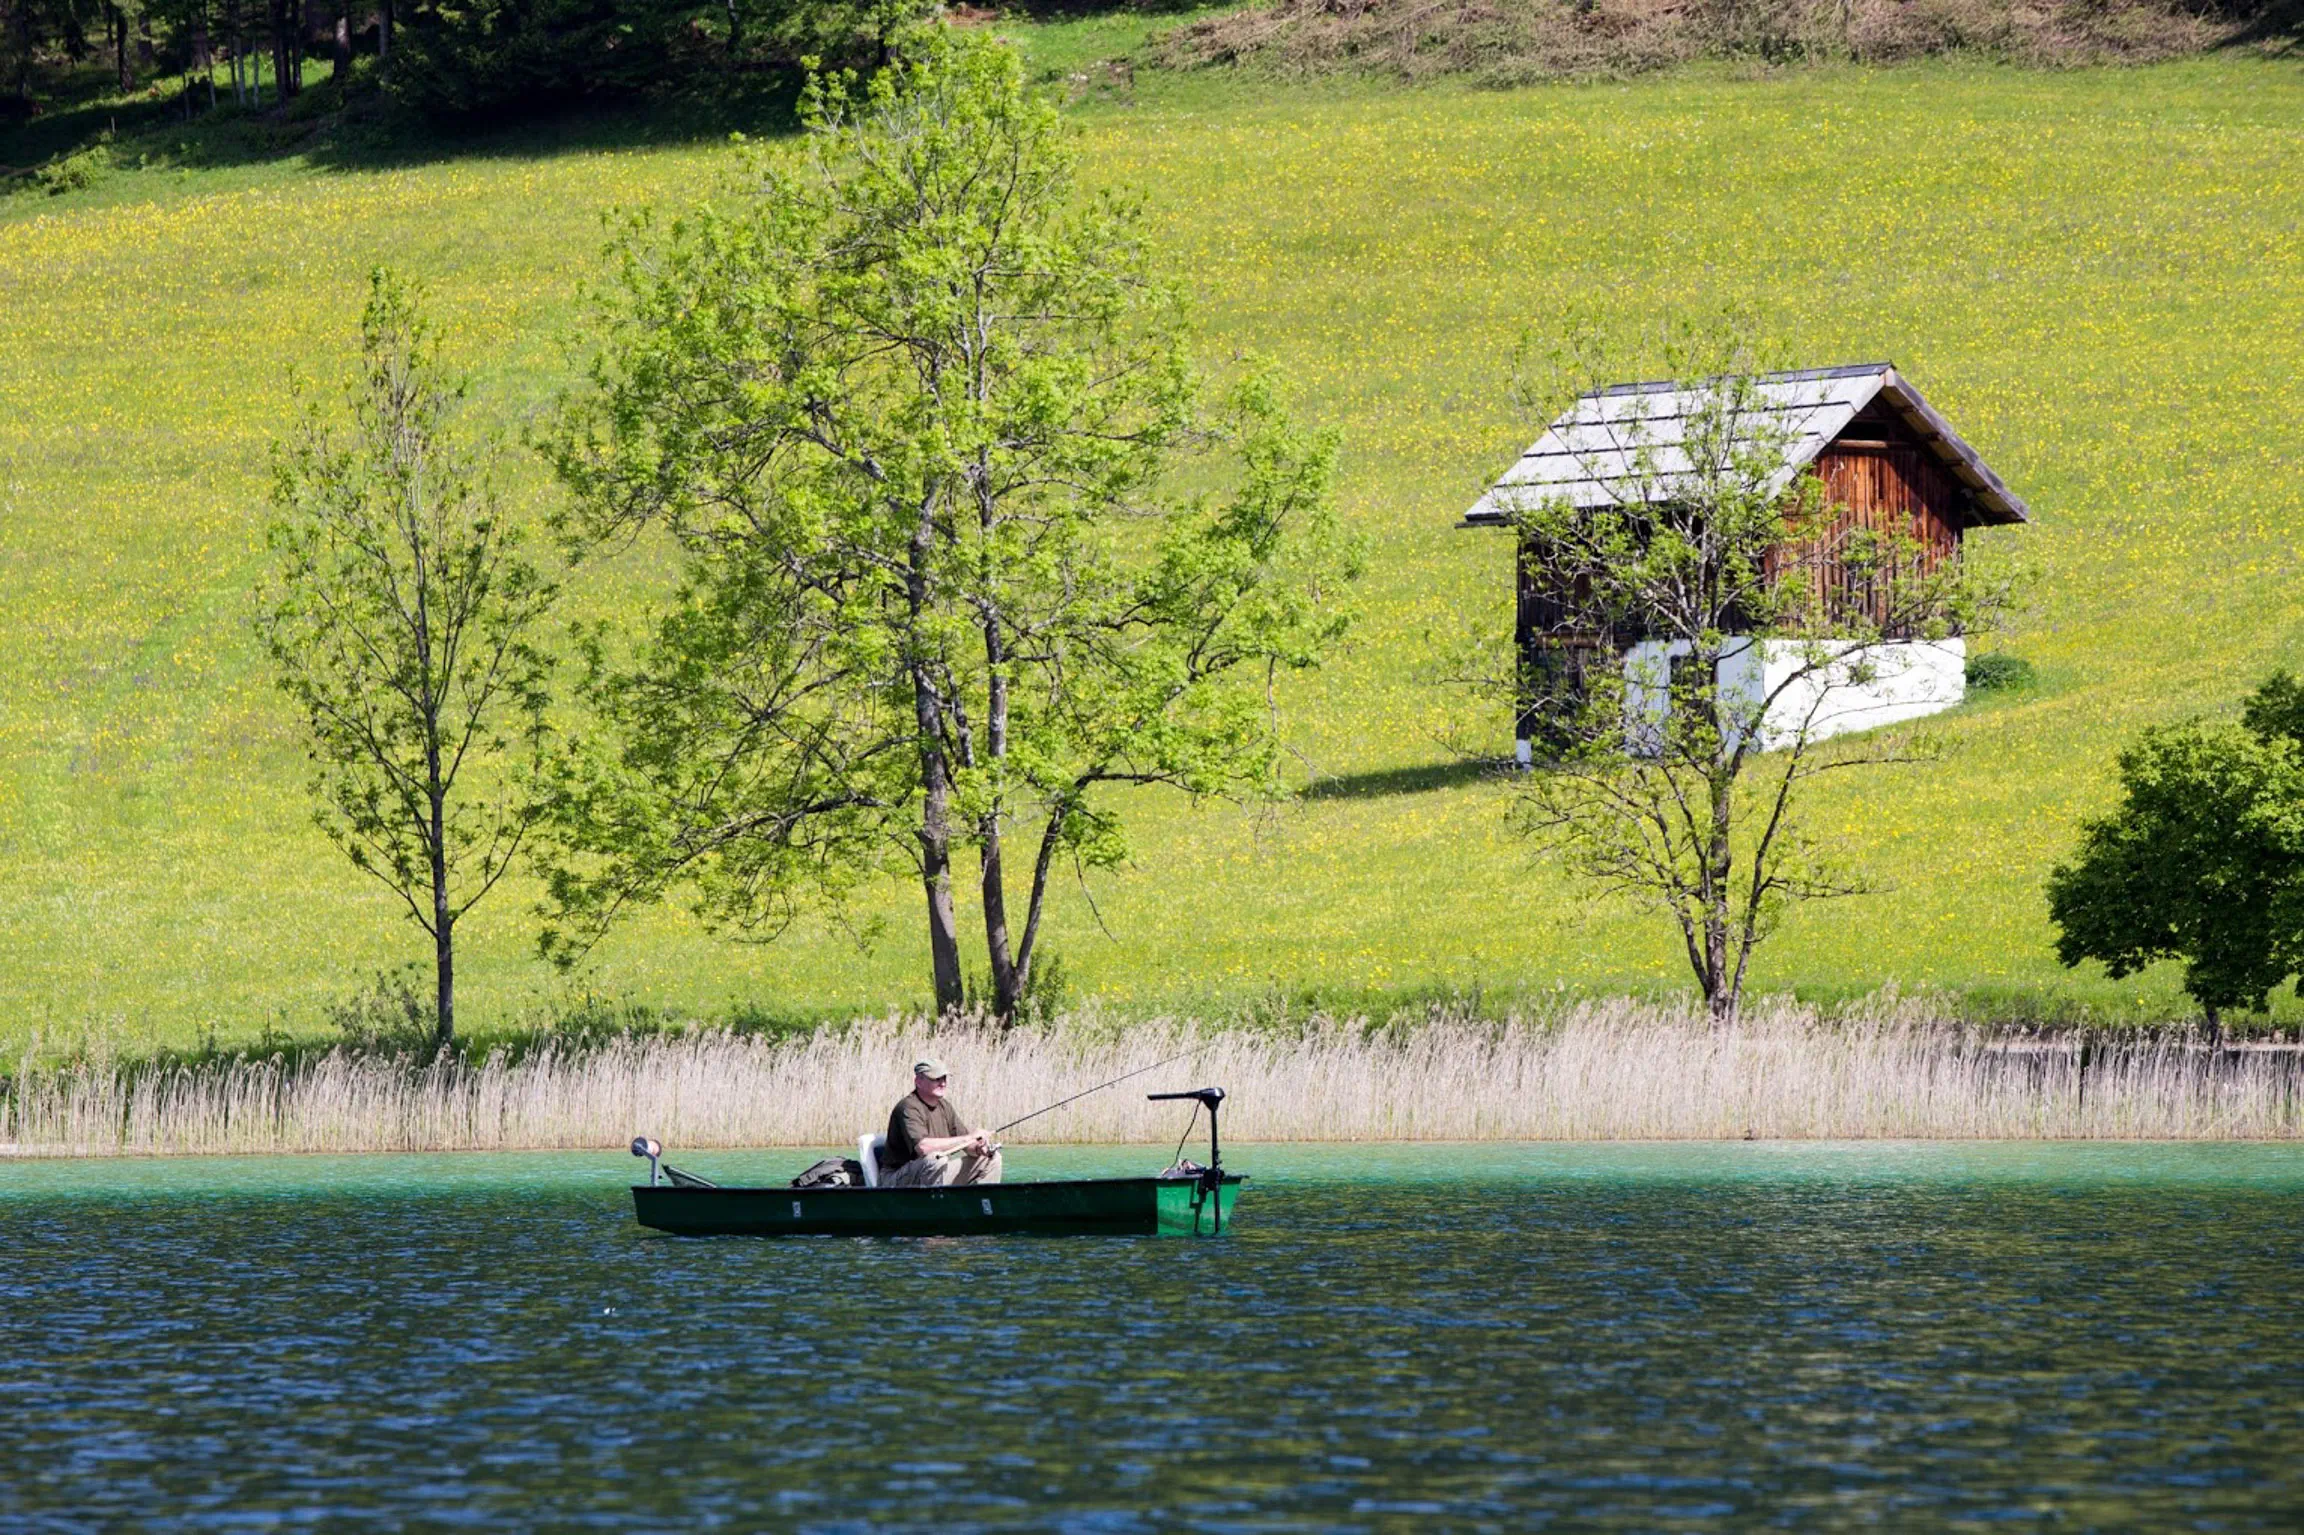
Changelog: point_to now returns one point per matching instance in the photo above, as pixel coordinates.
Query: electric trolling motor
(648, 1146)
(1211, 1176)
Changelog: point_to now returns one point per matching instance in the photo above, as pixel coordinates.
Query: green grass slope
(2096, 275)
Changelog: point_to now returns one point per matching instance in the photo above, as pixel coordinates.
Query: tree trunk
(24, 49)
(383, 32)
(1722, 978)
(120, 49)
(1029, 944)
(343, 46)
(2212, 1025)
(145, 53)
(283, 44)
(936, 876)
(22, 16)
(1719, 989)
(1725, 987)
(443, 920)
(203, 51)
(1007, 978)
(444, 972)
(936, 789)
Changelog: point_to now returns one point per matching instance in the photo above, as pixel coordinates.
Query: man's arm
(976, 1141)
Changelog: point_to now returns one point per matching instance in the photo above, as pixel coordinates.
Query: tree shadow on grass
(2277, 29)
(82, 106)
(368, 134)
(1390, 782)
(760, 104)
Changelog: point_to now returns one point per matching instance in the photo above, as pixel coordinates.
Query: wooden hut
(1886, 460)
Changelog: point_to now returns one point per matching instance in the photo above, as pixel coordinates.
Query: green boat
(1187, 1200)
(1164, 1207)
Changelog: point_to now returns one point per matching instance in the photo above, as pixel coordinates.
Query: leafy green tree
(399, 615)
(2275, 711)
(1676, 770)
(863, 33)
(913, 415)
(2202, 860)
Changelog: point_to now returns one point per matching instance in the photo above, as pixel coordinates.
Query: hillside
(2093, 273)
(1507, 42)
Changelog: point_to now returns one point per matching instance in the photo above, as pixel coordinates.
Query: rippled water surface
(1392, 1339)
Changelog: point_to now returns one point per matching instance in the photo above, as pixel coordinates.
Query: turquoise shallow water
(1394, 1338)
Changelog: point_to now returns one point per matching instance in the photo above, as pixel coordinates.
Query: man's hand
(977, 1143)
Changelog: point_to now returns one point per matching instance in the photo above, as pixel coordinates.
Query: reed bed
(1609, 1071)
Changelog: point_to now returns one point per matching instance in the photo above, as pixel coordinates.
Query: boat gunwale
(930, 1188)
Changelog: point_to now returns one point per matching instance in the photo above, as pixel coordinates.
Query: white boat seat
(868, 1152)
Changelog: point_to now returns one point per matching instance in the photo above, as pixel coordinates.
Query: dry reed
(1605, 1071)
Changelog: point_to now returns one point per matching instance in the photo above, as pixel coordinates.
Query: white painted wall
(1866, 687)
(1854, 686)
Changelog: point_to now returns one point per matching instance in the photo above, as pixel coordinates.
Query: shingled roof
(1592, 455)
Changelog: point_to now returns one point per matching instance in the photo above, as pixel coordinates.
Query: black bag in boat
(832, 1173)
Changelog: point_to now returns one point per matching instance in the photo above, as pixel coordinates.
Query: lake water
(1644, 1337)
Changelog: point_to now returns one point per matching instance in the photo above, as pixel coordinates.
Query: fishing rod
(1099, 1087)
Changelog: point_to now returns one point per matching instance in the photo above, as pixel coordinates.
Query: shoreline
(22, 1155)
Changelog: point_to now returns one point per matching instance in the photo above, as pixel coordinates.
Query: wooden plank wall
(1879, 476)
(1894, 489)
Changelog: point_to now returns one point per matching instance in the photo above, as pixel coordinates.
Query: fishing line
(1187, 1135)
(1099, 1087)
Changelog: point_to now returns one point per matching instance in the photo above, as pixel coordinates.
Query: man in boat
(927, 1143)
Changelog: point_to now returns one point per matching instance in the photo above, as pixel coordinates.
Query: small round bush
(1997, 670)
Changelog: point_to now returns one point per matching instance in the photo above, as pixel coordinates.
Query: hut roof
(1622, 444)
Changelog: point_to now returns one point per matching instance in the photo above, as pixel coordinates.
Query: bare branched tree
(398, 616)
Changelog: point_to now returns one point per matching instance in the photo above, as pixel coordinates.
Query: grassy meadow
(2096, 275)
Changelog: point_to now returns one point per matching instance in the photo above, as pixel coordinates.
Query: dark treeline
(481, 58)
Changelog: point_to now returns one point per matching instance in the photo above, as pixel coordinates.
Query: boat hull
(1068, 1207)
